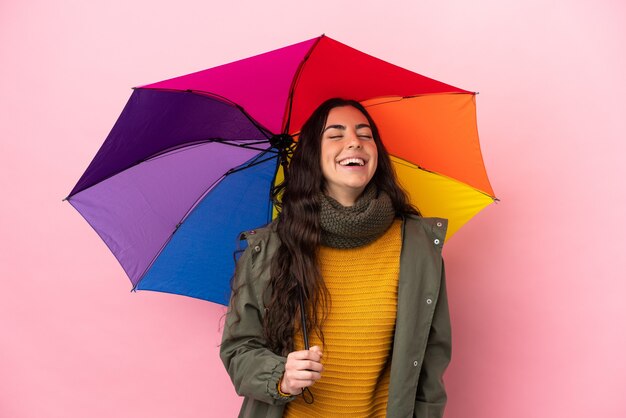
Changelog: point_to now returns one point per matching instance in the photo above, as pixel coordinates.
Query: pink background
(536, 283)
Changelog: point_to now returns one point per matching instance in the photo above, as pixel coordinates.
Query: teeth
(349, 161)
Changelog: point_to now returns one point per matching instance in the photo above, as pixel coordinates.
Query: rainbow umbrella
(190, 162)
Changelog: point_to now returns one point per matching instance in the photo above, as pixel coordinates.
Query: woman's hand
(303, 368)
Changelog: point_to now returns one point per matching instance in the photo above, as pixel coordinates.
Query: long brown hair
(295, 265)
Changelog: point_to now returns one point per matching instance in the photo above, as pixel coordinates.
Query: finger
(311, 365)
(299, 355)
(316, 353)
(305, 355)
(317, 349)
(296, 386)
(295, 365)
(303, 375)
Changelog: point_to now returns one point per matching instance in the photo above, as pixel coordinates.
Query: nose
(354, 142)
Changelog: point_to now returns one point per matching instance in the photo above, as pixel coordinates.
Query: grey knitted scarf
(354, 226)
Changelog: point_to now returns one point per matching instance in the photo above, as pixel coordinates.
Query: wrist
(280, 392)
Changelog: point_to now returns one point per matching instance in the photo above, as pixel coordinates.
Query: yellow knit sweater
(358, 332)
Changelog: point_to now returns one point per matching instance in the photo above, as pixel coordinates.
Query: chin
(358, 184)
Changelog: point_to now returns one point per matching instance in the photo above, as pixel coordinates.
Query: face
(349, 156)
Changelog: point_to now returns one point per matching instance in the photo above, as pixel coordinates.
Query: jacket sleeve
(253, 368)
(431, 396)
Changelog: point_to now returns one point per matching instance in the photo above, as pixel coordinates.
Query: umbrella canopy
(191, 160)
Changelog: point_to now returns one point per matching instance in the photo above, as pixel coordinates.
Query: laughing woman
(366, 269)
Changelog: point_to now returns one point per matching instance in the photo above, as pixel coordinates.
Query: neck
(346, 198)
(356, 225)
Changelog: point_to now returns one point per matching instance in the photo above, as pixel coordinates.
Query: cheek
(374, 155)
(373, 171)
(329, 152)
(327, 163)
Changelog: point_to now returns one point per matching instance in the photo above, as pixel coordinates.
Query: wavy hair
(295, 264)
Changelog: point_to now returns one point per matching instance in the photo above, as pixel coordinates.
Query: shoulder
(260, 245)
(261, 236)
(430, 229)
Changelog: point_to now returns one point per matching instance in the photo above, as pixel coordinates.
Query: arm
(431, 396)
(254, 370)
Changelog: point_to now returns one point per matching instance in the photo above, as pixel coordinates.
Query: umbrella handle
(306, 392)
(305, 336)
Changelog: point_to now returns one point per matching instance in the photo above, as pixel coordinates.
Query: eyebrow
(343, 128)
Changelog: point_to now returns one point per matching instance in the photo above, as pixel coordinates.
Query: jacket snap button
(439, 224)
(257, 248)
(415, 363)
(436, 241)
(429, 301)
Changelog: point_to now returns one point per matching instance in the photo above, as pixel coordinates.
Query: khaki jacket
(422, 340)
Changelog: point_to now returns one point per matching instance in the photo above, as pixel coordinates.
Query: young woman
(350, 249)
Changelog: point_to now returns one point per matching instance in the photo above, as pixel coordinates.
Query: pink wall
(536, 282)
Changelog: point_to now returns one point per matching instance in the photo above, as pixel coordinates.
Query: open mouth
(352, 162)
